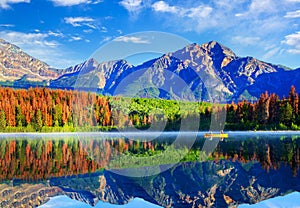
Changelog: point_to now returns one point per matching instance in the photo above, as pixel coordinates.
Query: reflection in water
(240, 170)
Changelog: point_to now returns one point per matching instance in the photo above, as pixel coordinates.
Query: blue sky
(291, 200)
(66, 202)
(66, 32)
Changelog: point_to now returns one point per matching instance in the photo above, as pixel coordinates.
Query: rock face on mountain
(91, 75)
(196, 184)
(201, 72)
(208, 184)
(26, 195)
(15, 65)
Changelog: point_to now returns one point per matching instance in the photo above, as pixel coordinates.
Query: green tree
(286, 114)
(2, 120)
(38, 120)
(57, 117)
(20, 117)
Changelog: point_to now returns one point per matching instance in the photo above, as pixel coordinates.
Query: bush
(283, 127)
(295, 127)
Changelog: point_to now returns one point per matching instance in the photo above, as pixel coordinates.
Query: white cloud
(7, 25)
(56, 34)
(293, 40)
(105, 40)
(81, 21)
(132, 6)
(132, 39)
(104, 29)
(75, 38)
(293, 1)
(270, 54)
(294, 14)
(239, 14)
(88, 31)
(246, 40)
(265, 6)
(24, 39)
(258, 8)
(200, 11)
(294, 51)
(40, 46)
(74, 2)
(162, 6)
(5, 4)
(196, 17)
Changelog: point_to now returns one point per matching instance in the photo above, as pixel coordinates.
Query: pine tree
(2, 120)
(286, 114)
(38, 120)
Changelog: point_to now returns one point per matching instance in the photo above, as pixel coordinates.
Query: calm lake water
(168, 170)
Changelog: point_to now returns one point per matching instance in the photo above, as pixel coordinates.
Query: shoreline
(145, 133)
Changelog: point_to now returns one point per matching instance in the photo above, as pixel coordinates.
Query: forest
(49, 110)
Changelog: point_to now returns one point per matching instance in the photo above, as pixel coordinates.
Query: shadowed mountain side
(207, 72)
(208, 184)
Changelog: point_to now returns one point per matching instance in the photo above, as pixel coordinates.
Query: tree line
(45, 110)
(268, 112)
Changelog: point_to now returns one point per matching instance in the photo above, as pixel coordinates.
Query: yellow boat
(215, 135)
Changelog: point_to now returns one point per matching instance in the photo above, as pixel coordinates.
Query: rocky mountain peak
(231, 75)
(215, 49)
(16, 64)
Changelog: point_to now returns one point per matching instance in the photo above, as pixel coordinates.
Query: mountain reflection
(239, 170)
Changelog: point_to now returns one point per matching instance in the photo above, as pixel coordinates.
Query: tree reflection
(40, 159)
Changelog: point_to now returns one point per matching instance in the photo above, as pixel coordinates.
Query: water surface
(169, 169)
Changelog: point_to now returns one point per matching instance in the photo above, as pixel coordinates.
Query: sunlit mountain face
(234, 77)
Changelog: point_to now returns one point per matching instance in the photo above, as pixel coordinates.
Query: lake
(154, 169)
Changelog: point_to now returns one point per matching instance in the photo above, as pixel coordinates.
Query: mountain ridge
(16, 64)
(208, 70)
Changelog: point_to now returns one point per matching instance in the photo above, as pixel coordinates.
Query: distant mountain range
(208, 70)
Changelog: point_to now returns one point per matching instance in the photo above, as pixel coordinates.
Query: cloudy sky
(66, 32)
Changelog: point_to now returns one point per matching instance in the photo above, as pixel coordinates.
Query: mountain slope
(194, 184)
(92, 75)
(200, 72)
(15, 65)
(208, 70)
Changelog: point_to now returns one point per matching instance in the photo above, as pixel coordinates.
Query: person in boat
(222, 132)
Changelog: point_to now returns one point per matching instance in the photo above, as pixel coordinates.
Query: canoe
(216, 135)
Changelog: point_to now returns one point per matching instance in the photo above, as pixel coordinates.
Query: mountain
(197, 71)
(26, 194)
(92, 75)
(194, 184)
(15, 65)
(210, 69)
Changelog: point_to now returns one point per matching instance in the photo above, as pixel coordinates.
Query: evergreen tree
(286, 114)
(38, 120)
(2, 120)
